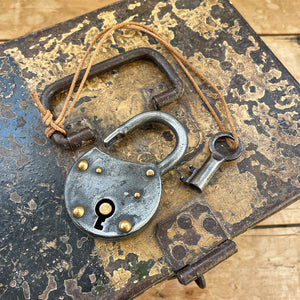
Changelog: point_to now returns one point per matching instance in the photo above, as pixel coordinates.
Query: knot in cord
(57, 125)
(47, 118)
(52, 126)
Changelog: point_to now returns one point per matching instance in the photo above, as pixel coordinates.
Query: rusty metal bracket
(194, 242)
(76, 139)
(195, 271)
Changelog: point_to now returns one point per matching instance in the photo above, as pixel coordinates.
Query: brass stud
(125, 226)
(150, 172)
(105, 209)
(98, 170)
(78, 211)
(82, 165)
(137, 195)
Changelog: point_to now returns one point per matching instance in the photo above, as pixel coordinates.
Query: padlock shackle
(155, 117)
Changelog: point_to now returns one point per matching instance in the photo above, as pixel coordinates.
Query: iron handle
(158, 101)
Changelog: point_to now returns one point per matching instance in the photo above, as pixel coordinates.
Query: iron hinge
(195, 271)
(194, 242)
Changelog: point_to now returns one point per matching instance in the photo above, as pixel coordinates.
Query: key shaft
(200, 177)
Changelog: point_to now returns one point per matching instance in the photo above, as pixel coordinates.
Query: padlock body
(134, 194)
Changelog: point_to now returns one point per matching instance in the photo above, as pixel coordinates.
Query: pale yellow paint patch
(120, 278)
(233, 205)
(108, 18)
(134, 5)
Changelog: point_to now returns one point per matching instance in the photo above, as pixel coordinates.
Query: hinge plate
(189, 235)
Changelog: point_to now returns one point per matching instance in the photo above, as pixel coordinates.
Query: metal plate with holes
(187, 236)
(122, 189)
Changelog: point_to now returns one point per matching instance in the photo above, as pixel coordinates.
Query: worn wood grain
(287, 49)
(23, 16)
(267, 266)
(271, 16)
(20, 17)
(288, 216)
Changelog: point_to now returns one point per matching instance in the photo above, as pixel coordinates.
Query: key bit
(200, 177)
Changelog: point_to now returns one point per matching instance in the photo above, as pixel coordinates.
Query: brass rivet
(137, 195)
(78, 211)
(98, 170)
(150, 173)
(82, 165)
(125, 226)
(105, 209)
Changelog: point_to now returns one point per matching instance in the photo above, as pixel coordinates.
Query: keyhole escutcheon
(104, 209)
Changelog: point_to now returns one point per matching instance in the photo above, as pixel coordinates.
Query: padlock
(110, 198)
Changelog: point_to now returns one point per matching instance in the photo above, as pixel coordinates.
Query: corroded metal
(172, 159)
(189, 235)
(131, 189)
(195, 271)
(43, 254)
(77, 139)
(200, 177)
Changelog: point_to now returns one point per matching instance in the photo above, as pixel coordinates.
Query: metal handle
(159, 117)
(158, 101)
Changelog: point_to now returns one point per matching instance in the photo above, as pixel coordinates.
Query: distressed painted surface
(45, 256)
(189, 235)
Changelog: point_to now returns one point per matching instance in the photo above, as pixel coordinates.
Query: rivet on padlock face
(118, 197)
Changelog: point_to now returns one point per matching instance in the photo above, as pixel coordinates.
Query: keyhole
(104, 209)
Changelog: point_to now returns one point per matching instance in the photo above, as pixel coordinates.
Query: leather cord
(57, 125)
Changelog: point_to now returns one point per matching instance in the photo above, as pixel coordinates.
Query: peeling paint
(52, 286)
(14, 197)
(15, 152)
(265, 106)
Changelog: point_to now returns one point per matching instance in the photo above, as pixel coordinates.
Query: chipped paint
(26, 290)
(15, 197)
(52, 286)
(15, 152)
(134, 5)
(261, 95)
(120, 278)
(108, 18)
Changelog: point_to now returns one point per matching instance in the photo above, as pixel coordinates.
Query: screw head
(125, 226)
(137, 195)
(105, 209)
(78, 211)
(98, 170)
(150, 172)
(82, 165)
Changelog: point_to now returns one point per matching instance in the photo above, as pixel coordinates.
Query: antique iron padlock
(111, 198)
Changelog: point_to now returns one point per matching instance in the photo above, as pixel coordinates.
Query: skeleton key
(200, 177)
